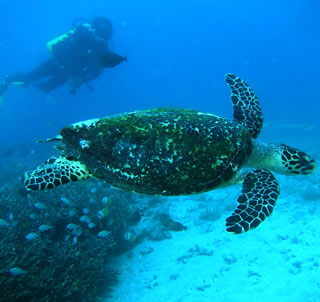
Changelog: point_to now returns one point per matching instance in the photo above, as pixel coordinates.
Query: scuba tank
(64, 37)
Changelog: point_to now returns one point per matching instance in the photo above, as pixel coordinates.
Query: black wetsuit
(75, 59)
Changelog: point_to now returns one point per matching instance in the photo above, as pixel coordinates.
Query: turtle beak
(308, 166)
(314, 168)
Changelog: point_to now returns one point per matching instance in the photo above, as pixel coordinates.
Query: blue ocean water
(178, 53)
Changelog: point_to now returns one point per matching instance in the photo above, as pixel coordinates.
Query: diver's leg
(4, 84)
(42, 71)
(52, 83)
(48, 69)
(18, 79)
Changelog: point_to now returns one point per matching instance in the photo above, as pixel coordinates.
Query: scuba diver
(78, 57)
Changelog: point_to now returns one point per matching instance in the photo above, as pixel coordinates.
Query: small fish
(32, 216)
(104, 234)
(75, 239)
(72, 226)
(103, 213)
(72, 212)
(66, 201)
(32, 236)
(44, 227)
(3, 223)
(170, 224)
(17, 271)
(40, 206)
(10, 216)
(85, 211)
(77, 232)
(91, 225)
(129, 236)
(105, 200)
(85, 219)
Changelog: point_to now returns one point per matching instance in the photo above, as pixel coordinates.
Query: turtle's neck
(266, 156)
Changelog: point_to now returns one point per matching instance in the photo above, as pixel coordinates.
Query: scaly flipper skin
(246, 105)
(260, 191)
(54, 172)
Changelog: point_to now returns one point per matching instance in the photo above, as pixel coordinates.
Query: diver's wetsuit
(75, 59)
(50, 70)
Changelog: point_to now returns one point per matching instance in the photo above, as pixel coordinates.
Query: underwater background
(178, 53)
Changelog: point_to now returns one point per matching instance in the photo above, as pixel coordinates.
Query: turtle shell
(163, 151)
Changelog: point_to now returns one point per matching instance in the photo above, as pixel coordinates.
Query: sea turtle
(171, 152)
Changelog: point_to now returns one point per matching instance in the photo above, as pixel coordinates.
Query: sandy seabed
(278, 261)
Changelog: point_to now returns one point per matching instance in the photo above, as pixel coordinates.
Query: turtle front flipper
(260, 190)
(54, 172)
(246, 105)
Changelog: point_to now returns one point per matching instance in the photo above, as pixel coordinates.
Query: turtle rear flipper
(260, 190)
(54, 172)
(246, 105)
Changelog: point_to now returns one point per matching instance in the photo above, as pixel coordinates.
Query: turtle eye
(296, 161)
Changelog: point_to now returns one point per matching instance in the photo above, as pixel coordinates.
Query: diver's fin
(19, 84)
(260, 190)
(246, 105)
(4, 84)
(54, 172)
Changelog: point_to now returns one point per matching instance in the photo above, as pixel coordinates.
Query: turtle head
(281, 159)
(293, 161)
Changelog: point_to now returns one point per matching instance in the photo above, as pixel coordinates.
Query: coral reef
(54, 246)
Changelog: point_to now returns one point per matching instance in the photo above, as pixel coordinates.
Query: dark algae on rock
(57, 246)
